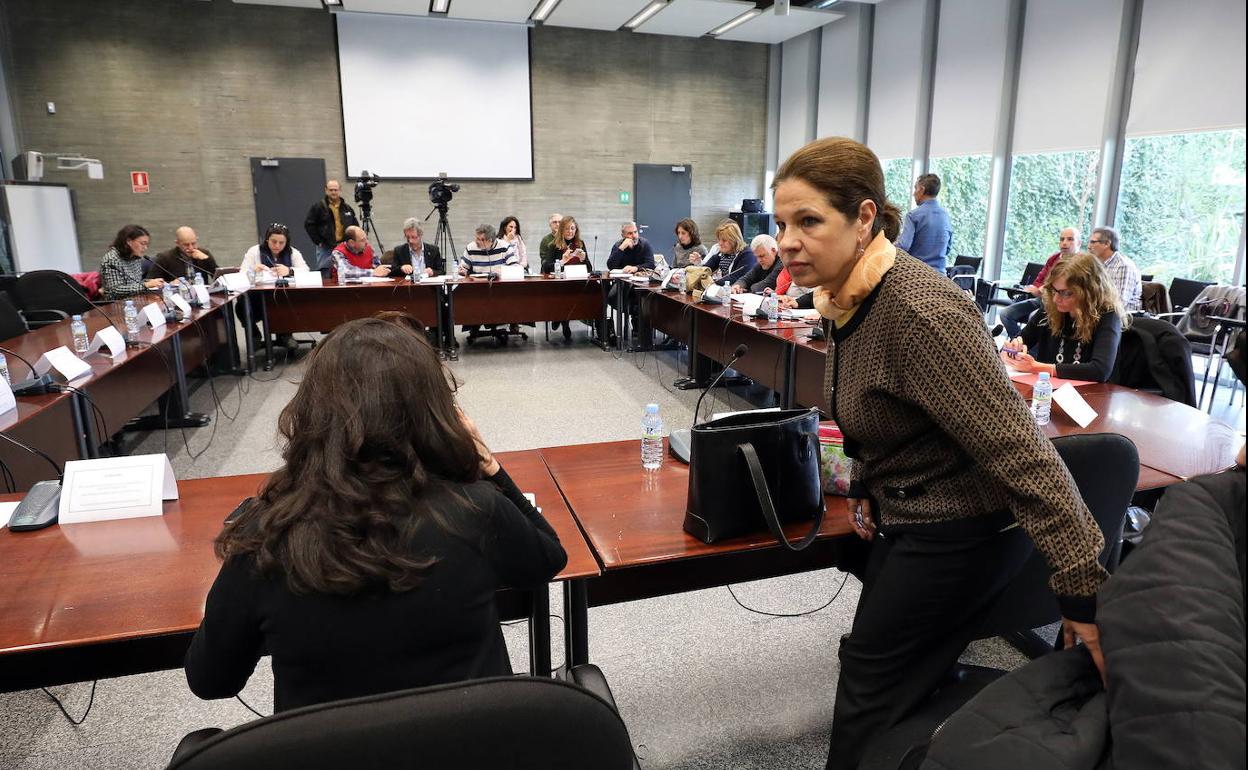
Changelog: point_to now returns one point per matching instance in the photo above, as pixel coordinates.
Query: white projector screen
(42, 235)
(422, 96)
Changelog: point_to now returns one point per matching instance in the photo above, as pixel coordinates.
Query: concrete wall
(189, 90)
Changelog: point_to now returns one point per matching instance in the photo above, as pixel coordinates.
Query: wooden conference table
(72, 425)
(90, 601)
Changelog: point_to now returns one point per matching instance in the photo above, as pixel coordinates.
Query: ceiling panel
(400, 7)
(492, 10)
(286, 3)
(767, 27)
(595, 14)
(693, 18)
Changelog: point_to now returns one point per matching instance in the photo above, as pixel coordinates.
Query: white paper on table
(236, 282)
(7, 399)
(432, 279)
(1073, 405)
(110, 337)
(718, 415)
(155, 314)
(616, 273)
(116, 488)
(512, 273)
(201, 294)
(376, 279)
(750, 303)
(64, 361)
(6, 512)
(305, 278)
(181, 304)
(532, 498)
(575, 271)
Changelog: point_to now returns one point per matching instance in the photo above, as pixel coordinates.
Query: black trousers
(926, 590)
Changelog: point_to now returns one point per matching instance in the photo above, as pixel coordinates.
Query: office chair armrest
(590, 677)
(1169, 316)
(37, 318)
(191, 741)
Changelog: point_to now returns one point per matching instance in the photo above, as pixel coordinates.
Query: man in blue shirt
(925, 233)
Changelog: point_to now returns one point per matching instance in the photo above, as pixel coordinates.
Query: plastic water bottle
(131, 314)
(558, 269)
(771, 307)
(1042, 399)
(199, 281)
(184, 290)
(251, 277)
(651, 438)
(79, 330)
(4, 369)
(166, 295)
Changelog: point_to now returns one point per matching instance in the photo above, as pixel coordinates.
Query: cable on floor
(239, 698)
(61, 706)
(790, 614)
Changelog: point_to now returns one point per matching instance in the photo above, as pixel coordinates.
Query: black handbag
(755, 469)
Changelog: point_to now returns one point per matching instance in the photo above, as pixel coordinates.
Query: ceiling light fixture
(645, 14)
(822, 4)
(733, 24)
(328, 3)
(440, 6)
(543, 10)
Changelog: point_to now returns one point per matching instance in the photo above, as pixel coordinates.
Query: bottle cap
(652, 408)
(77, 318)
(1043, 376)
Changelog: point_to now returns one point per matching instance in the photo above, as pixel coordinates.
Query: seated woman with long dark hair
(1075, 335)
(370, 560)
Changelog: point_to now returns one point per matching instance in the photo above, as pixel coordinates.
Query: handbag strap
(769, 510)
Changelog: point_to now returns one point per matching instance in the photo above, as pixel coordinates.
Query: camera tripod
(445, 244)
(366, 221)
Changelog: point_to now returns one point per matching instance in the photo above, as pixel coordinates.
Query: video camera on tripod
(364, 189)
(441, 192)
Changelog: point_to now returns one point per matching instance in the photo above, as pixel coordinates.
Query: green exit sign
(626, 196)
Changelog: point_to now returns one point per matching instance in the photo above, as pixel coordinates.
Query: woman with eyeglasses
(1075, 335)
(274, 254)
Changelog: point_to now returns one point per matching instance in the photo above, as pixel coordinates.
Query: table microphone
(680, 442)
(34, 385)
(41, 503)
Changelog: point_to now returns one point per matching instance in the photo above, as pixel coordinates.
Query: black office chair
(1105, 467)
(1184, 291)
(525, 723)
(15, 323)
(1155, 358)
(963, 261)
(1015, 293)
(48, 290)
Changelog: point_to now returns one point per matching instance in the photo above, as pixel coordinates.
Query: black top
(553, 254)
(402, 255)
(171, 265)
(1096, 358)
(319, 224)
(760, 277)
(327, 647)
(641, 255)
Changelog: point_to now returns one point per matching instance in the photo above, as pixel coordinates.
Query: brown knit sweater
(938, 433)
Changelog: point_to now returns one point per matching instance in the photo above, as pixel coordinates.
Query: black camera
(364, 187)
(441, 192)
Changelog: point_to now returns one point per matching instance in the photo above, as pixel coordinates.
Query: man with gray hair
(415, 258)
(631, 252)
(487, 254)
(764, 274)
(1122, 271)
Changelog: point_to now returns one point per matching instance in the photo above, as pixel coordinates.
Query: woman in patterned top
(1075, 335)
(121, 269)
(949, 468)
(688, 249)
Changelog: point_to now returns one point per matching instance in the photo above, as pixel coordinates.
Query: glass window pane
(898, 182)
(1180, 204)
(1048, 191)
(964, 184)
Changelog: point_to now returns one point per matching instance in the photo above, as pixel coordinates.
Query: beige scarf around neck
(876, 260)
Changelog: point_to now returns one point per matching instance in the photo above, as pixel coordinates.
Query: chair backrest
(1030, 272)
(1154, 356)
(972, 262)
(513, 722)
(1153, 298)
(1146, 277)
(1105, 467)
(11, 322)
(1184, 291)
(49, 290)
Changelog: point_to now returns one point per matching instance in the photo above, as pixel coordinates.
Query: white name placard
(155, 315)
(308, 278)
(110, 338)
(1073, 405)
(64, 361)
(512, 273)
(201, 294)
(116, 488)
(575, 271)
(236, 282)
(181, 304)
(7, 399)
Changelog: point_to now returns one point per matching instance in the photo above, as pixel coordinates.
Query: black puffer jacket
(1172, 629)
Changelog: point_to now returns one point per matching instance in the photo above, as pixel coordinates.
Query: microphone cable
(804, 613)
(61, 706)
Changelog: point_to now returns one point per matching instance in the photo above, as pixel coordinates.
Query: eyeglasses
(1063, 293)
(1097, 240)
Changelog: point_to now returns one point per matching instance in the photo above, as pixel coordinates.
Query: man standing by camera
(327, 223)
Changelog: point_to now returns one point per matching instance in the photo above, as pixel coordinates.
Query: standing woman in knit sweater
(952, 482)
(121, 269)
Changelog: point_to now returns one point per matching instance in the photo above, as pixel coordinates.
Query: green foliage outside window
(1180, 207)
(899, 182)
(964, 182)
(1048, 191)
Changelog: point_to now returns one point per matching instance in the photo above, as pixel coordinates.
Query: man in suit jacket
(415, 256)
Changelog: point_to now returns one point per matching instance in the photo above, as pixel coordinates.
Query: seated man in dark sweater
(630, 254)
(763, 275)
(186, 257)
(369, 561)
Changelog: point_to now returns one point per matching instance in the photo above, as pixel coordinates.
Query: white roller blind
(1189, 69)
(895, 68)
(799, 78)
(970, 63)
(838, 77)
(1069, 49)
